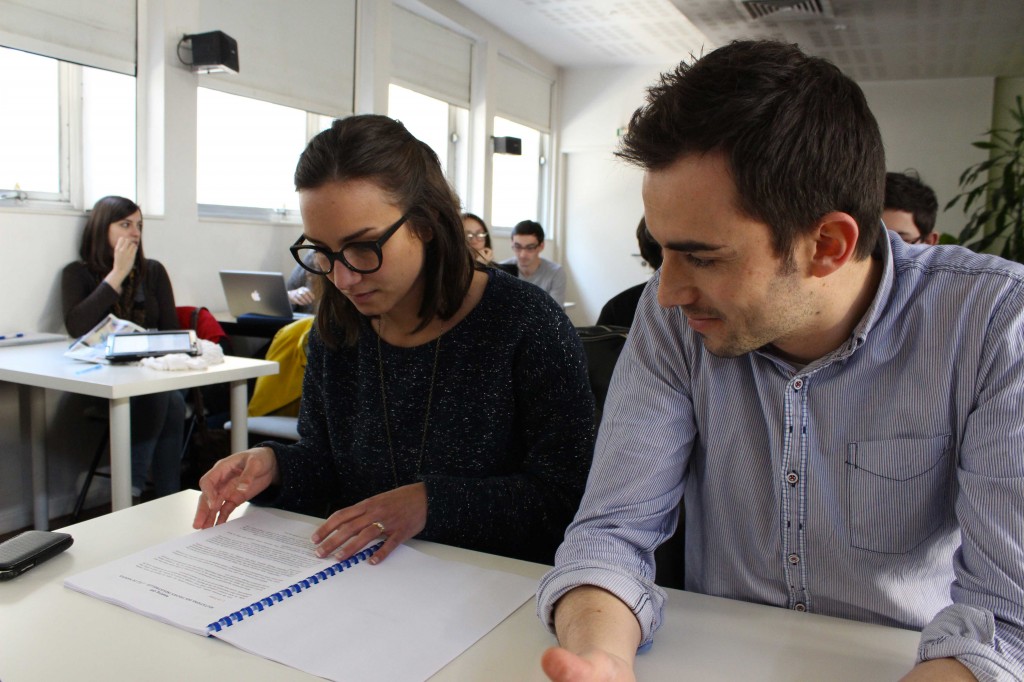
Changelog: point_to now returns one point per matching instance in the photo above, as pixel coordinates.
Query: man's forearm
(588, 618)
(946, 669)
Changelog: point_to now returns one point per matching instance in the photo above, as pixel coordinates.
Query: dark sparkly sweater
(87, 298)
(508, 441)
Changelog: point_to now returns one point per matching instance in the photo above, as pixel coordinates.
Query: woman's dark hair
(798, 136)
(381, 150)
(480, 221)
(95, 249)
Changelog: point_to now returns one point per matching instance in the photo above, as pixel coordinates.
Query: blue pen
(17, 335)
(89, 369)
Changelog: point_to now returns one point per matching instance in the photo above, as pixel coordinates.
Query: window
(70, 134)
(516, 182)
(438, 124)
(108, 135)
(30, 124)
(247, 150)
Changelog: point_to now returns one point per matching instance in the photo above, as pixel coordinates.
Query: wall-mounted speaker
(213, 52)
(508, 145)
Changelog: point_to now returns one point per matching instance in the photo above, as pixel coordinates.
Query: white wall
(927, 125)
(601, 194)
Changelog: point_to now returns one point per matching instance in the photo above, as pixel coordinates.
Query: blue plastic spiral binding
(306, 583)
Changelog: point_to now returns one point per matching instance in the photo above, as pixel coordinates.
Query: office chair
(602, 344)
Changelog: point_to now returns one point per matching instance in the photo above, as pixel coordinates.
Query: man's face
(902, 223)
(720, 267)
(527, 249)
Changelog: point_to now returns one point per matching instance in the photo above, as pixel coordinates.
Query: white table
(41, 366)
(48, 632)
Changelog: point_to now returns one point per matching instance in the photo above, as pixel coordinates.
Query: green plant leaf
(972, 195)
(985, 242)
(992, 191)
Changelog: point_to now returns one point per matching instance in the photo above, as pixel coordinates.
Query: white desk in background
(53, 633)
(41, 366)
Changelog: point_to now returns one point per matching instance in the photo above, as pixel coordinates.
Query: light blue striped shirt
(883, 482)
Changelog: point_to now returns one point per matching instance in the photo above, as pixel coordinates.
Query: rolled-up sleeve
(635, 484)
(984, 627)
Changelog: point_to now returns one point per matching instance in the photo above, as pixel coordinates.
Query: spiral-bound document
(255, 582)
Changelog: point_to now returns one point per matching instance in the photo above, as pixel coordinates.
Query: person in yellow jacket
(279, 394)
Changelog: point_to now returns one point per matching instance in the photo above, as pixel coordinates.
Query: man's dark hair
(381, 150)
(905, 192)
(529, 227)
(650, 250)
(798, 136)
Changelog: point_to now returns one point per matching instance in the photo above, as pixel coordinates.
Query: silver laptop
(259, 293)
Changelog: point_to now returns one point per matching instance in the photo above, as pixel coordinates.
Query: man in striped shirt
(767, 383)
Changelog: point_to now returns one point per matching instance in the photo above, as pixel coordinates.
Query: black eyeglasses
(911, 241)
(476, 235)
(361, 257)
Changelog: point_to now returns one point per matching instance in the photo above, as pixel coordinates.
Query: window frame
(456, 172)
(69, 171)
(543, 181)
(249, 214)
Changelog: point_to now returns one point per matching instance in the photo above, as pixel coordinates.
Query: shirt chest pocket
(898, 492)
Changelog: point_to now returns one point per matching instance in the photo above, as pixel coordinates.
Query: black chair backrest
(602, 343)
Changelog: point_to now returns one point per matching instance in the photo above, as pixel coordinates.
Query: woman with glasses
(113, 276)
(478, 237)
(442, 399)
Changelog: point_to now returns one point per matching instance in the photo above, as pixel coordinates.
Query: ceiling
(870, 40)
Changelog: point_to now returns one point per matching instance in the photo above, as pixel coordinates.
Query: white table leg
(239, 416)
(32, 410)
(120, 453)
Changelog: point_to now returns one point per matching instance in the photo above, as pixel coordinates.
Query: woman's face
(129, 228)
(476, 235)
(339, 213)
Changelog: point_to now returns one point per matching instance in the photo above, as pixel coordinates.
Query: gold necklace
(384, 400)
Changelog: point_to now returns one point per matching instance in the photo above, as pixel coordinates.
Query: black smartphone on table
(28, 549)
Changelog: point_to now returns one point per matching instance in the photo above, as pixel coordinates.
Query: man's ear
(540, 247)
(932, 239)
(835, 239)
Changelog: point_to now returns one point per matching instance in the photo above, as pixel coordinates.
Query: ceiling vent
(786, 10)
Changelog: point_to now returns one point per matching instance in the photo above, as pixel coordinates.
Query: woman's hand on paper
(402, 512)
(232, 481)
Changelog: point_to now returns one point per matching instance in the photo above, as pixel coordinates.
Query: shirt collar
(884, 251)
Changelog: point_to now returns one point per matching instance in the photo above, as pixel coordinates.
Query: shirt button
(792, 478)
(794, 559)
(798, 384)
(800, 606)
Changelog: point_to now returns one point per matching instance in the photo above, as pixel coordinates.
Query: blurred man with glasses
(910, 208)
(528, 243)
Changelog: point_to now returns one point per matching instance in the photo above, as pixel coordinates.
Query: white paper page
(201, 577)
(403, 619)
